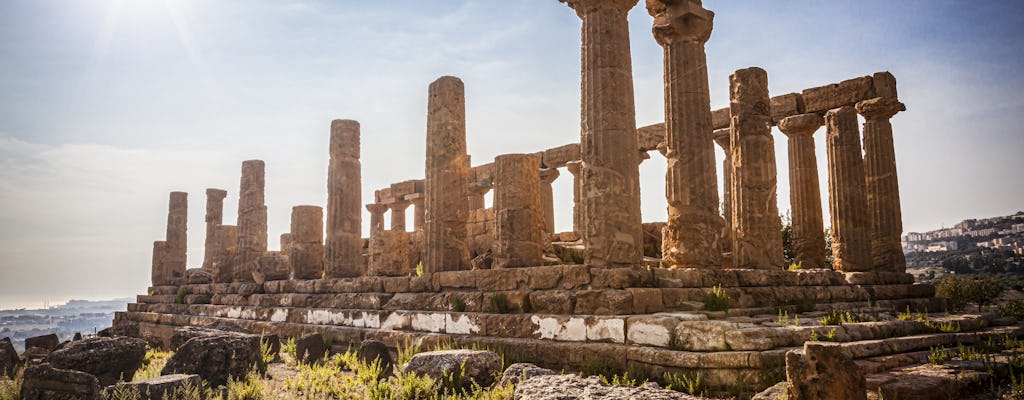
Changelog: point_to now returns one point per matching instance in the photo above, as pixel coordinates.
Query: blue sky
(107, 105)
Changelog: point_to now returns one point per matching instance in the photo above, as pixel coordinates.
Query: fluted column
(547, 198)
(398, 215)
(307, 249)
(518, 217)
(343, 245)
(722, 138)
(574, 168)
(804, 191)
(883, 188)
(214, 217)
(157, 274)
(757, 228)
(177, 240)
(252, 220)
(222, 266)
(447, 209)
(417, 201)
(612, 231)
(847, 200)
(692, 234)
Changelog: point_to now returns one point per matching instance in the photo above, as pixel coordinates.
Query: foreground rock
(824, 371)
(108, 359)
(560, 387)
(215, 358)
(48, 342)
(372, 351)
(183, 334)
(478, 366)
(310, 348)
(9, 362)
(522, 371)
(43, 382)
(160, 386)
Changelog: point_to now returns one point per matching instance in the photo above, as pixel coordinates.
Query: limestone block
(646, 300)
(274, 266)
(604, 302)
(846, 93)
(650, 136)
(551, 302)
(824, 371)
(786, 105)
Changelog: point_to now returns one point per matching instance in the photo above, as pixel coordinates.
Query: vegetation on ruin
(457, 304)
(1013, 309)
(499, 303)
(179, 298)
(691, 384)
(716, 299)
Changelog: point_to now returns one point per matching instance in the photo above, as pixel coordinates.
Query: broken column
(157, 274)
(225, 245)
(577, 195)
(757, 228)
(307, 248)
(177, 240)
(883, 189)
(214, 217)
(611, 229)
(447, 172)
(847, 200)
(519, 219)
(692, 234)
(804, 191)
(252, 221)
(722, 139)
(547, 198)
(343, 246)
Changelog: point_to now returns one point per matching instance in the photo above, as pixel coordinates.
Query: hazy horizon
(108, 105)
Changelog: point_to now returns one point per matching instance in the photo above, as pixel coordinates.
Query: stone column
(252, 221)
(518, 215)
(157, 273)
(214, 217)
(757, 228)
(722, 137)
(307, 251)
(847, 200)
(547, 198)
(343, 246)
(447, 172)
(177, 239)
(804, 191)
(417, 203)
(376, 217)
(611, 230)
(477, 191)
(398, 215)
(286, 242)
(225, 245)
(883, 189)
(692, 233)
(574, 168)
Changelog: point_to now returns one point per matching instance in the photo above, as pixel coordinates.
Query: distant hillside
(974, 246)
(84, 316)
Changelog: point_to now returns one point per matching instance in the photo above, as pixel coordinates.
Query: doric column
(376, 217)
(847, 200)
(225, 245)
(477, 191)
(343, 245)
(252, 220)
(692, 234)
(307, 250)
(398, 214)
(757, 228)
(804, 191)
(722, 138)
(417, 201)
(177, 240)
(883, 189)
(286, 242)
(611, 228)
(214, 217)
(519, 219)
(157, 273)
(447, 211)
(547, 198)
(574, 168)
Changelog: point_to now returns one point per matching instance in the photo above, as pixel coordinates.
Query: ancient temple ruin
(502, 277)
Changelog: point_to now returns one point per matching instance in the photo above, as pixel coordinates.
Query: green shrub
(959, 291)
(457, 304)
(499, 303)
(716, 299)
(690, 384)
(575, 256)
(1012, 309)
(179, 298)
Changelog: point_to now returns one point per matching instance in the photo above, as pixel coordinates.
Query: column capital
(574, 167)
(680, 21)
(723, 137)
(801, 125)
(216, 193)
(479, 188)
(548, 175)
(376, 208)
(880, 108)
(584, 7)
(399, 205)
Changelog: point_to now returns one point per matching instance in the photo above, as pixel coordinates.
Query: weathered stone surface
(575, 168)
(44, 382)
(215, 358)
(252, 221)
(398, 214)
(557, 157)
(214, 217)
(310, 348)
(447, 172)
(847, 200)
(273, 266)
(692, 235)
(160, 386)
(779, 391)
(108, 359)
(824, 371)
(804, 191)
(724, 140)
(519, 219)
(198, 276)
(883, 189)
(479, 366)
(610, 166)
(175, 255)
(547, 199)
(559, 387)
(48, 341)
(845, 93)
(389, 254)
(225, 243)
(757, 229)
(183, 334)
(376, 352)
(307, 252)
(343, 245)
(9, 363)
(786, 105)
(157, 274)
(518, 372)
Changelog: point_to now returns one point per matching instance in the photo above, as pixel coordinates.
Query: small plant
(624, 379)
(499, 303)
(840, 317)
(248, 388)
(266, 356)
(783, 319)
(690, 384)
(10, 389)
(179, 298)
(575, 256)
(905, 316)
(795, 266)
(944, 327)
(967, 353)
(122, 392)
(457, 304)
(290, 348)
(716, 299)
(937, 355)
(152, 363)
(1012, 309)
(419, 268)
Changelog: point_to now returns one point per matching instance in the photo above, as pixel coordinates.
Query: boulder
(522, 371)
(478, 366)
(48, 342)
(9, 361)
(160, 386)
(108, 359)
(44, 382)
(823, 371)
(183, 334)
(372, 351)
(77, 337)
(559, 387)
(310, 348)
(780, 391)
(34, 354)
(215, 358)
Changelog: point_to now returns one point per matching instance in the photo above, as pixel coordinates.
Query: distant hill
(84, 316)
(992, 246)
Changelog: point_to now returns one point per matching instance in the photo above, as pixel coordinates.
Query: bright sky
(108, 105)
